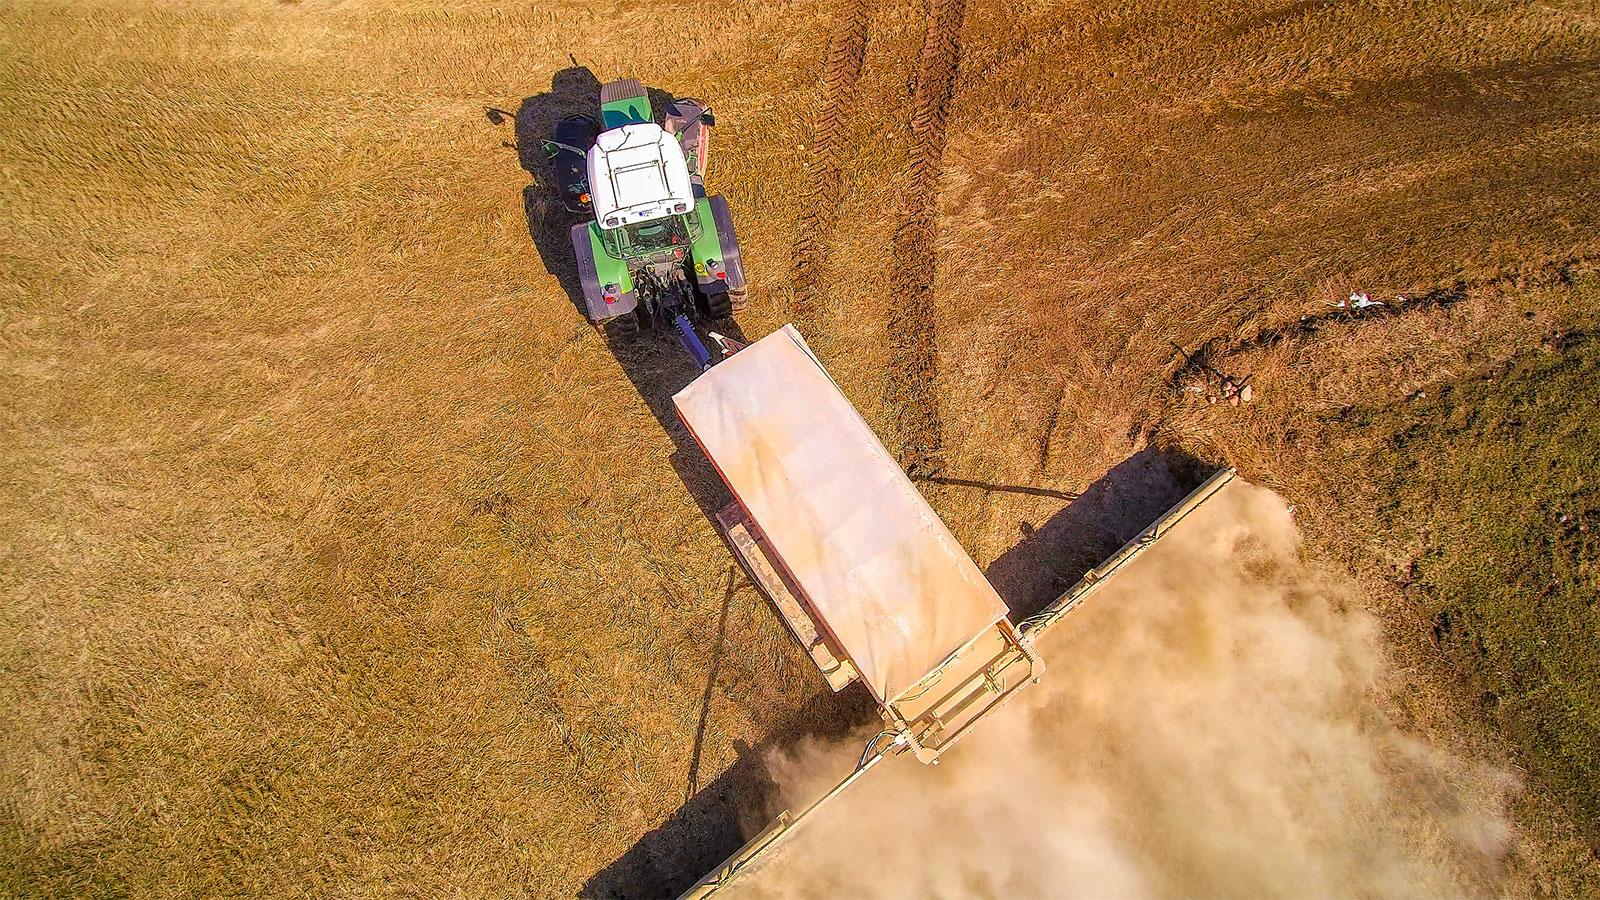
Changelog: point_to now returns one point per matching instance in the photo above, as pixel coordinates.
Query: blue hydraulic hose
(691, 342)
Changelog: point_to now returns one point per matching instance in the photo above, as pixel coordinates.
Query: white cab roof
(637, 173)
(870, 557)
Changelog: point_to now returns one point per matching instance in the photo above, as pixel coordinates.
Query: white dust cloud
(1209, 727)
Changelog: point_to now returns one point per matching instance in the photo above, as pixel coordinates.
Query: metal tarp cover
(864, 547)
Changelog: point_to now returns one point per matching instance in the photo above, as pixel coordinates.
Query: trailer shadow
(658, 367)
(717, 820)
(712, 671)
(1051, 557)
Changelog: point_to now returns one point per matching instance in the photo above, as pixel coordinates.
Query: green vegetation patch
(1497, 478)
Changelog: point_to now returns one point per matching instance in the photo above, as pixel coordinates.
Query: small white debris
(1362, 301)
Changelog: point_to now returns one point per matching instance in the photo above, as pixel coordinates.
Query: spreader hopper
(825, 522)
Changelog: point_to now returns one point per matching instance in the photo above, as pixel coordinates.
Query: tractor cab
(637, 173)
(657, 240)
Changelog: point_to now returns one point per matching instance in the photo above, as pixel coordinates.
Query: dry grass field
(341, 558)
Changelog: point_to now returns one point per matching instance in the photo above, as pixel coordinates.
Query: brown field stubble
(341, 558)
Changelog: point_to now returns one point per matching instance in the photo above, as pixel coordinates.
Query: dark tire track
(846, 49)
(912, 389)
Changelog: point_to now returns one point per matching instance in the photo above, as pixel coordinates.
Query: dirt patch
(1482, 488)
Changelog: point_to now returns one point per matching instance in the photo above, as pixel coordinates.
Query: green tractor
(656, 252)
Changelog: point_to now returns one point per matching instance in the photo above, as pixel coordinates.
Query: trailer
(862, 571)
(864, 574)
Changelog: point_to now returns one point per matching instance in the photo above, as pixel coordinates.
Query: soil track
(847, 48)
(913, 346)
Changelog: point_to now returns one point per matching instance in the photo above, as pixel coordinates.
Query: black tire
(713, 305)
(622, 327)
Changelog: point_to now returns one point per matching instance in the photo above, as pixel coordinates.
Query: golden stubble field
(342, 558)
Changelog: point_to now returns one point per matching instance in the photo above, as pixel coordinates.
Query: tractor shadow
(573, 91)
(656, 364)
(717, 820)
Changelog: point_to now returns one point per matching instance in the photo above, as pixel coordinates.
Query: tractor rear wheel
(713, 305)
(622, 327)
